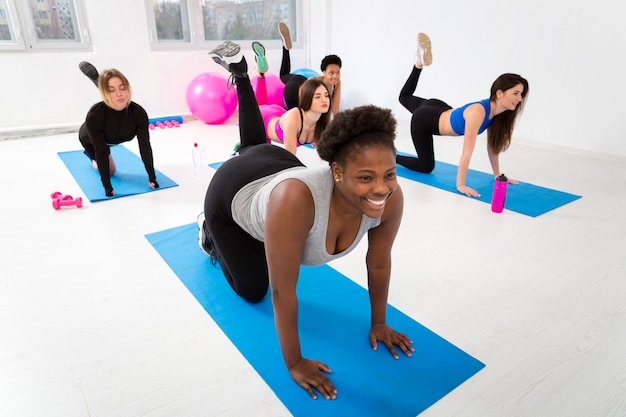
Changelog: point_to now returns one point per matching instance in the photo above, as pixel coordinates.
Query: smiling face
(366, 180)
(332, 74)
(118, 94)
(511, 98)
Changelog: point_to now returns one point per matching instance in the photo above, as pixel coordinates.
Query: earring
(336, 179)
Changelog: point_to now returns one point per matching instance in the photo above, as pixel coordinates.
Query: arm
(474, 116)
(97, 135)
(291, 203)
(378, 260)
(291, 124)
(494, 160)
(336, 99)
(145, 149)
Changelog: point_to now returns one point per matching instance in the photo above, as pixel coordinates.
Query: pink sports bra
(281, 134)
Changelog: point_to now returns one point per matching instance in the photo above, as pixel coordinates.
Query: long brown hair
(501, 129)
(305, 99)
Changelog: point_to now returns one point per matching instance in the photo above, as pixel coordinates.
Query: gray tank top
(249, 208)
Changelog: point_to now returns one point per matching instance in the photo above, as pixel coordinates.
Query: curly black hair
(329, 60)
(357, 128)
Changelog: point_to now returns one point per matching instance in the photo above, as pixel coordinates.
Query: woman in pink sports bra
(299, 125)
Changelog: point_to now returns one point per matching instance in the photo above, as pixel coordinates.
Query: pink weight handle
(57, 203)
(60, 196)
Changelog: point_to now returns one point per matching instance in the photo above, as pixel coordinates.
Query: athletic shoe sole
(260, 59)
(89, 70)
(424, 42)
(284, 33)
(226, 54)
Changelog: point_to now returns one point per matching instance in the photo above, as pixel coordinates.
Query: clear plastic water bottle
(498, 198)
(196, 154)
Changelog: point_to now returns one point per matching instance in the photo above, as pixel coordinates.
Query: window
(189, 24)
(45, 25)
(8, 37)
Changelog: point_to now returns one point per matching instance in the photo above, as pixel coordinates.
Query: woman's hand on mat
(390, 338)
(309, 374)
(512, 181)
(468, 191)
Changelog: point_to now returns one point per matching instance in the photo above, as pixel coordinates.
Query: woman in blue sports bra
(497, 115)
(299, 125)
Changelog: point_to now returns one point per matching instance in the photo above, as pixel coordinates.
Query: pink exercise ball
(209, 98)
(275, 88)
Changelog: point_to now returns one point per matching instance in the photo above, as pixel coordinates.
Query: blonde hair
(103, 85)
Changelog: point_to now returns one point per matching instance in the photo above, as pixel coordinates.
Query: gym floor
(93, 323)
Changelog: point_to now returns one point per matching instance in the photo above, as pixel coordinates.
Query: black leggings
(424, 124)
(292, 81)
(241, 256)
(83, 137)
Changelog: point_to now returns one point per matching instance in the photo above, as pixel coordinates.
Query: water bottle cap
(502, 177)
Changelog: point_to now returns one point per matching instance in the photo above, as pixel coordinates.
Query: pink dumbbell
(57, 203)
(59, 195)
(151, 126)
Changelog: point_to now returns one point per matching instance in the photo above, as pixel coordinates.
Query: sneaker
(90, 71)
(424, 50)
(229, 56)
(204, 240)
(285, 35)
(259, 57)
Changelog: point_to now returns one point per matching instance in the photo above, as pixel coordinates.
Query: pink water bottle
(500, 186)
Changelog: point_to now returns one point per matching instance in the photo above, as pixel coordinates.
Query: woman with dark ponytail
(497, 115)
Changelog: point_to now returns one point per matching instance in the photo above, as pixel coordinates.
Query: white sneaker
(204, 241)
(230, 56)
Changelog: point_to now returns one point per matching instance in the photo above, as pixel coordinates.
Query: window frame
(23, 26)
(17, 41)
(196, 29)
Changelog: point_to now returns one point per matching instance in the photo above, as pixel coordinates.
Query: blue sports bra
(457, 121)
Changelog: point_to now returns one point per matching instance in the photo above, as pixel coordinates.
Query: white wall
(572, 54)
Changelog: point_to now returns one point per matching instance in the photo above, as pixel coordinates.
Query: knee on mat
(253, 296)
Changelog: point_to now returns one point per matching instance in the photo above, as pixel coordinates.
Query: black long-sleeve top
(107, 126)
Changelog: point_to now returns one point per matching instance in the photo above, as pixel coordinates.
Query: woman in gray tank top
(254, 195)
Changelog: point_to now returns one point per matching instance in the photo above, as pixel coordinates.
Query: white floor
(93, 322)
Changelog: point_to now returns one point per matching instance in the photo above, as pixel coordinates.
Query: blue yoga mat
(524, 198)
(130, 176)
(334, 317)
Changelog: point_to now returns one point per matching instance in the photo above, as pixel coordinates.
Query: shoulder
(138, 110)
(474, 111)
(292, 114)
(96, 112)
(292, 196)
(98, 107)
